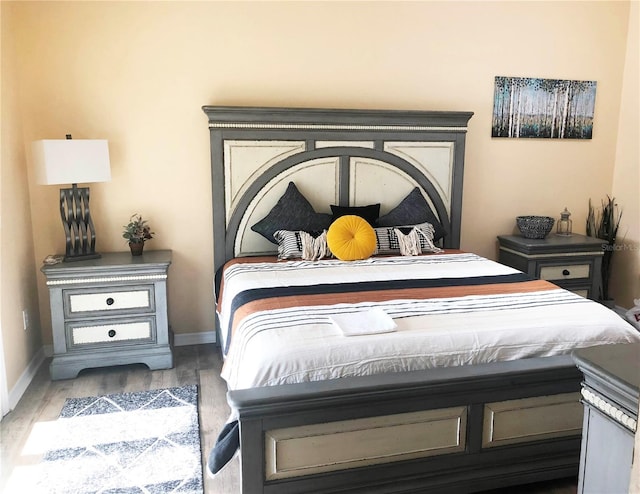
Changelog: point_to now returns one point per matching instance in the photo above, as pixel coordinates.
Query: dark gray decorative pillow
(370, 213)
(292, 212)
(412, 210)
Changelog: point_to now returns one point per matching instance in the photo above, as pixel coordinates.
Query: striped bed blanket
(278, 318)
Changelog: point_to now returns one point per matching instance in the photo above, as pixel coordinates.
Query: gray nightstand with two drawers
(572, 262)
(109, 311)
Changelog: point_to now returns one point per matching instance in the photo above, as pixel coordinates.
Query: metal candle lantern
(565, 223)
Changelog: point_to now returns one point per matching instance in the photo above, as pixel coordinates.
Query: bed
(472, 388)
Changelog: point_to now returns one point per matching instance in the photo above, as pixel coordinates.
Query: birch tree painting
(550, 108)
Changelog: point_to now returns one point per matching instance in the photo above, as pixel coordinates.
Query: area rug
(144, 442)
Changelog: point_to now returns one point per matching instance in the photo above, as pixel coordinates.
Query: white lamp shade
(71, 161)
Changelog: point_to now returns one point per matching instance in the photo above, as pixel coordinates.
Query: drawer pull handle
(566, 272)
(111, 333)
(110, 301)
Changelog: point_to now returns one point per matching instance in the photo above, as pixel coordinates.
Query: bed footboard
(460, 429)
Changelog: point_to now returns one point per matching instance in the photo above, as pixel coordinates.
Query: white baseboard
(184, 339)
(25, 378)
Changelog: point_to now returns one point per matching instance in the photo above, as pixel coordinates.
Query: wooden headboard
(344, 157)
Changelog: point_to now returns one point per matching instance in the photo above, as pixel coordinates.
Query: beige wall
(137, 74)
(626, 184)
(18, 289)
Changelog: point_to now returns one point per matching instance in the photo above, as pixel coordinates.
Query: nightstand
(109, 311)
(572, 262)
(610, 392)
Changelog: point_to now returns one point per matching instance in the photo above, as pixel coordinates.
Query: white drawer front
(134, 299)
(568, 272)
(83, 335)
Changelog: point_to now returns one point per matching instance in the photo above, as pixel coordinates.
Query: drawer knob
(111, 333)
(110, 301)
(566, 272)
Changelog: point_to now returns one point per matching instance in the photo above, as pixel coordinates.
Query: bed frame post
(252, 458)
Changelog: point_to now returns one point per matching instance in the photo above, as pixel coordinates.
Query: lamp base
(78, 227)
(81, 257)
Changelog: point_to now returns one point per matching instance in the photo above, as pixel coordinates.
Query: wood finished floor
(198, 364)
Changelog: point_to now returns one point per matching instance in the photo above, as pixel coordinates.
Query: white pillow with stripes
(405, 240)
(301, 245)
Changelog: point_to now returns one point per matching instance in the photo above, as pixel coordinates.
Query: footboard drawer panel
(304, 450)
(531, 419)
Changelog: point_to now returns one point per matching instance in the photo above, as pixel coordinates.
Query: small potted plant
(136, 233)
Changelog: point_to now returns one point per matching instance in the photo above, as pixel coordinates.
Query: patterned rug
(146, 442)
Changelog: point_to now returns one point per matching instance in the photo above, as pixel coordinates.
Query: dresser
(109, 311)
(572, 262)
(610, 396)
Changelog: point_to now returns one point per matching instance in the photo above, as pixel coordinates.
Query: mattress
(278, 318)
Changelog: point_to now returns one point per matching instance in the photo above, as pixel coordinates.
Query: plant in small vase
(136, 233)
(604, 224)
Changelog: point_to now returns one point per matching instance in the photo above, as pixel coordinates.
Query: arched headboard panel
(346, 157)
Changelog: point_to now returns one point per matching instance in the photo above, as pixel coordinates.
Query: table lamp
(74, 161)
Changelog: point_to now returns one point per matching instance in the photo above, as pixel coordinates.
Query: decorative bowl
(534, 226)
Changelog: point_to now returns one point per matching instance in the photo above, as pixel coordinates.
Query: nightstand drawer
(565, 272)
(119, 332)
(83, 302)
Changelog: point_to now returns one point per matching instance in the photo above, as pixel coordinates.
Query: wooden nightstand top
(612, 363)
(111, 263)
(552, 244)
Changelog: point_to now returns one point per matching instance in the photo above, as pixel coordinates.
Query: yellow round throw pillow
(350, 238)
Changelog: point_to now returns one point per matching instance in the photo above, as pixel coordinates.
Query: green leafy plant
(137, 230)
(604, 223)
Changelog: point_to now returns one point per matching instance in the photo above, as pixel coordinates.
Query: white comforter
(297, 344)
